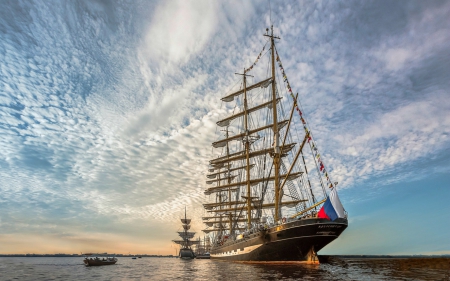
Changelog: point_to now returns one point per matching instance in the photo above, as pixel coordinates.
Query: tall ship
(187, 240)
(271, 198)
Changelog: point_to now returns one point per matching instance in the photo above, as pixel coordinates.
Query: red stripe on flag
(322, 214)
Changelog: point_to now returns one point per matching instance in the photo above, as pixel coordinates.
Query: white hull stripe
(237, 252)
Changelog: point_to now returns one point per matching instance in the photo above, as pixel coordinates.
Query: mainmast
(247, 154)
(276, 145)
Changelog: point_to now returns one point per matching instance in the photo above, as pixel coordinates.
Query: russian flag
(332, 208)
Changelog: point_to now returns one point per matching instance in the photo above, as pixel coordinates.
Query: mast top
(270, 35)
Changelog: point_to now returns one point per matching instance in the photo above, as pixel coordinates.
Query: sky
(108, 111)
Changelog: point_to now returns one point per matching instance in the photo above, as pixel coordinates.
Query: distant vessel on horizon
(186, 251)
(266, 205)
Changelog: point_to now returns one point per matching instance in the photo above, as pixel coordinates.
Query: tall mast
(276, 136)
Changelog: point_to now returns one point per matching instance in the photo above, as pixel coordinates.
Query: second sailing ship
(187, 241)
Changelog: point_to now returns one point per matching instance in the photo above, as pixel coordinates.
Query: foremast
(248, 198)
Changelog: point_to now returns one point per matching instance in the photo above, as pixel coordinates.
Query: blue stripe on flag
(329, 210)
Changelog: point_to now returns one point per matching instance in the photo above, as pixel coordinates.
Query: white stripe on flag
(337, 205)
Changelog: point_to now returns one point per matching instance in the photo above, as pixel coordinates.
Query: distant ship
(202, 249)
(272, 198)
(186, 243)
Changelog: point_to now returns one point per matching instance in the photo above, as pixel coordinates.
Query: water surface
(72, 268)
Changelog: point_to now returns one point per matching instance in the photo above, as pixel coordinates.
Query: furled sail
(212, 176)
(217, 229)
(224, 178)
(262, 84)
(292, 176)
(186, 221)
(186, 243)
(218, 204)
(218, 217)
(288, 204)
(241, 154)
(226, 121)
(222, 143)
(188, 235)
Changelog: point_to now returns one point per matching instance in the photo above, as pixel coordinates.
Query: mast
(247, 153)
(185, 229)
(247, 158)
(220, 201)
(276, 136)
(230, 216)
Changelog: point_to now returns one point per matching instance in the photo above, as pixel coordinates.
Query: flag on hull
(332, 208)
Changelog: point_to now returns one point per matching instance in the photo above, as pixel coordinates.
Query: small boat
(99, 259)
(133, 258)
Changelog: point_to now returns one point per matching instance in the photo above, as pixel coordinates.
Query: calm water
(175, 269)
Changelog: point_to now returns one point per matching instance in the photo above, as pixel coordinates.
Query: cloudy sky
(108, 111)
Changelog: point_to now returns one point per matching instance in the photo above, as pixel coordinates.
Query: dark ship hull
(186, 254)
(295, 241)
